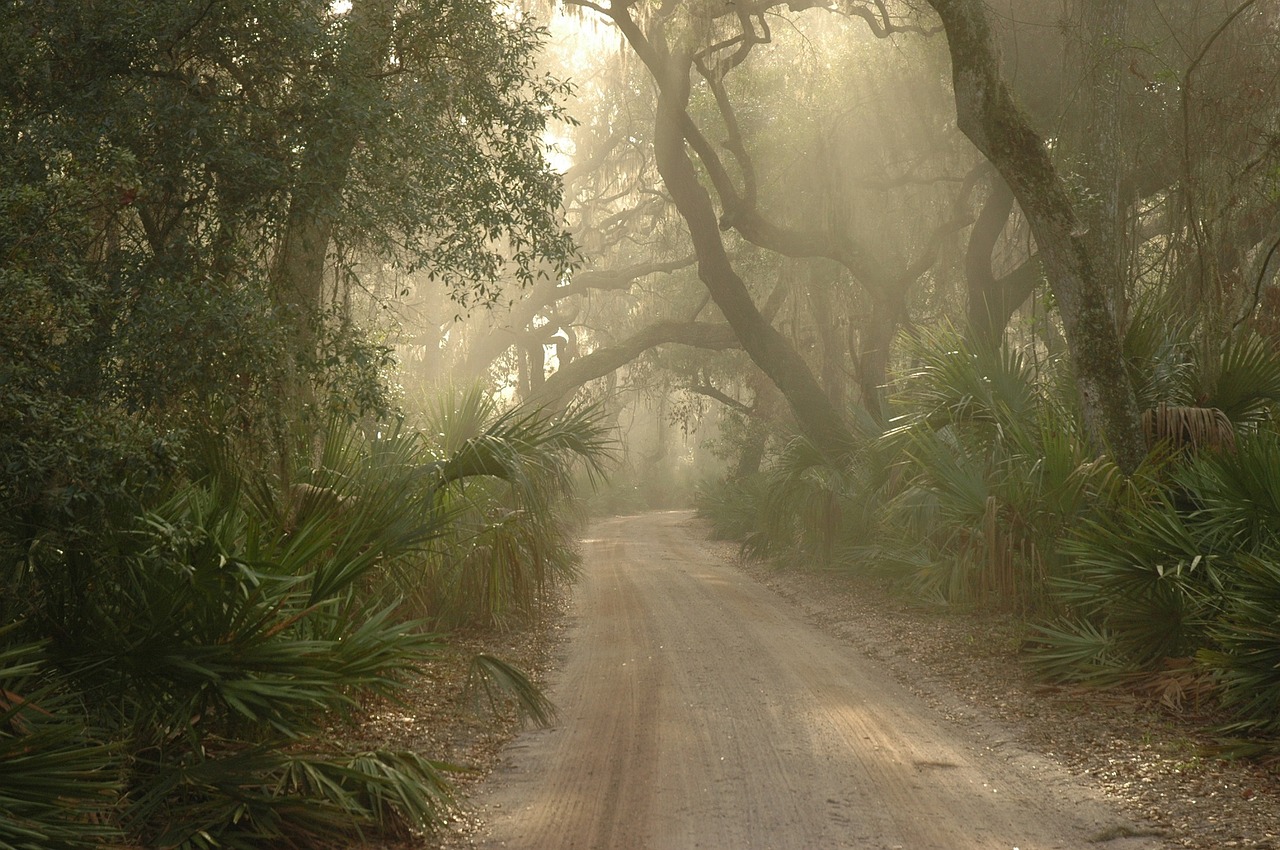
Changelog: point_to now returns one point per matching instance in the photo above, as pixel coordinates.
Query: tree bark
(988, 115)
(546, 294)
(823, 279)
(993, 300)
(816, 416)
(1106, 25)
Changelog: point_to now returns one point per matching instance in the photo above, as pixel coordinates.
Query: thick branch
(602, 361)
(882, 26)
(727, 400)
(547, 293)
(767, 348)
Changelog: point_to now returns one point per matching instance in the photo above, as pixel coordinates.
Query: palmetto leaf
(58, 784)
(1238, 494)
(1241, 378)
(1247, 656)
(251, 796)
(505, 486)
(1078, 651)
(1158, 354)
(497, 680)
(1150, 575)
(960, 382)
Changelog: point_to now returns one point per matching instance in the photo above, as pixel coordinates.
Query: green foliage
(214, 638)
(497, 680)
(155, 155)
(812, 506)
(1245, 656)
(1151, 575)
(1240, 377)
(213, 643)
(732, 507)
(255, 796)
(504, 479)
(806, 507)
(1236, 495)
(1157, 352)
(1185, 568)
(459, 187)
(1173, 361)
(960, 382)
(201, 546)
(995, 472)
(59, 781)
(1078, 651)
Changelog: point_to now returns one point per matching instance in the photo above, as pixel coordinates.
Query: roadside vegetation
(981, 491)
(225, 529)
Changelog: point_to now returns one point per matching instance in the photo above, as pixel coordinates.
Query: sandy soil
(698, 708)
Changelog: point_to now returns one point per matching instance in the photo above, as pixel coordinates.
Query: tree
(189, 191)
(672, 64)
(989, 116)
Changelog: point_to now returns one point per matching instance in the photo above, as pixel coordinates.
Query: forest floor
(708, 703)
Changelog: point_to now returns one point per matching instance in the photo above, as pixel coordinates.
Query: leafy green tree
(181, 180)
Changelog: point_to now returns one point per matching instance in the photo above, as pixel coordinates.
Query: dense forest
(320, 318)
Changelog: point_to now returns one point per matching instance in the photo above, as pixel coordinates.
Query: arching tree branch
(602, 361)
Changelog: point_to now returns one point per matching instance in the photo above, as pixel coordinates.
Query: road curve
(698, 709)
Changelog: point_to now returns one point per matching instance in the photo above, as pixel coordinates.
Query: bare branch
(882, 26)
(726, 400)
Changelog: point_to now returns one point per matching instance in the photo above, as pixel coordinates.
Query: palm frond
(498, 681)
(59, 784)
(1077, 651)
(1241, 378)
(1191, 428)
(960, 382)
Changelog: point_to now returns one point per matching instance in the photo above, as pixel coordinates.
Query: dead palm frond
(1189, 428)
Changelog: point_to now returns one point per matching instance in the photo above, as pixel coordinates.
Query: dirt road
(700, 710)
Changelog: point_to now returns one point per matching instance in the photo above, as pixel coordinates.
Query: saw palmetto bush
(1196, 387)
(211, 640)
(506, 480)
(1244, 657)
(1178, 587)
(995, 472)
(212, 643)
(60, 778)
(807, 506)
(1144, 583)
(731, 506)
(1152, 574)
(1239, 375)
(1237, 501)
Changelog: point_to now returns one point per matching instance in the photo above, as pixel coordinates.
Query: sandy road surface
(700, 710)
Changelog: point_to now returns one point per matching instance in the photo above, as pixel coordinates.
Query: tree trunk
(875, 342)
(993, 300)
(298, 273)
(988, 115)
(1106, 24)
(824, 277)
(768, 349)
